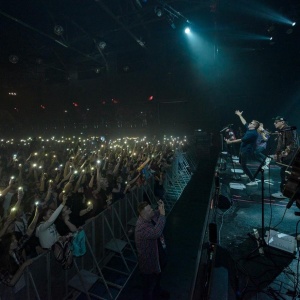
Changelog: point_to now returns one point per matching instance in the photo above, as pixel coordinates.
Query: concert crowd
(51, 187)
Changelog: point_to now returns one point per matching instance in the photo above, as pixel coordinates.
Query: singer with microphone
(285, 150)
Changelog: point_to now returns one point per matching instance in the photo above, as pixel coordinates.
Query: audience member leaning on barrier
(85, 178)
(50, 239)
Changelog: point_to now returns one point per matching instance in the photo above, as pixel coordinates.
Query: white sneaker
(252, 183)
(268, 160)
(278, 195)
(244, 176)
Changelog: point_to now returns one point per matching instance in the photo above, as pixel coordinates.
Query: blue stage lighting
(187, 30)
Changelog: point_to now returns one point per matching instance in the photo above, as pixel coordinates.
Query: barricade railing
(110, 248)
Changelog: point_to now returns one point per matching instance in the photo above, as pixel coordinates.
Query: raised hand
(161, 207)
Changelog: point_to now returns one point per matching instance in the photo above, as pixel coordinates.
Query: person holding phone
(151, 248)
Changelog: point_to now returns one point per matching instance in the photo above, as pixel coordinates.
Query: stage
(213, 252)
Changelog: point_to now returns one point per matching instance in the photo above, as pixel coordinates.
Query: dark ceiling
(53, 40)
(62, 39)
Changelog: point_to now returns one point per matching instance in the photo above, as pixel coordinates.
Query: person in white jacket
(50, 239)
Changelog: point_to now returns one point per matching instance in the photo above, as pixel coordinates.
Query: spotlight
(294, 24)
(58, 30)
(126, 68)
(102, 45)
(271, 38)
(187, 30)
(13, 59)
(141, 42)
(158, 11)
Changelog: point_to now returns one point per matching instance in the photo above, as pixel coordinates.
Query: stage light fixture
(141, 42)
(126, 68)
(13, 59)
(102, 45)
(294, 24)
(158, 11)
(58, 30)
(271, 38)
(187, 30)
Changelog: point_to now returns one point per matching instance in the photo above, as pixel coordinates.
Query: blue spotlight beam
(267, 13)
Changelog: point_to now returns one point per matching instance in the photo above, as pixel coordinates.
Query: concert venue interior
(174, 71)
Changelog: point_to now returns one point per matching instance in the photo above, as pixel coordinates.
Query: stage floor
(268, 272)
(239, 271)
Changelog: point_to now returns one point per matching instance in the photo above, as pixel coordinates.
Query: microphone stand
(261, 243)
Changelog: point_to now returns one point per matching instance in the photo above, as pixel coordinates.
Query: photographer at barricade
(151, 249)
(50, 238)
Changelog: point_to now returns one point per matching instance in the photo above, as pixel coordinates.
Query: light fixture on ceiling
(291, 30)
(13, 58)
(187, 30)
(102, 45)
(126, 68)
(158, 11)
(141, 42)
(58, 30)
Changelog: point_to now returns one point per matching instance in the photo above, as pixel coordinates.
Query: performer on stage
(285, 150)
(248, 143)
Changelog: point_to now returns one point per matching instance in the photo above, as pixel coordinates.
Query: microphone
(289, 128)
(226, 127)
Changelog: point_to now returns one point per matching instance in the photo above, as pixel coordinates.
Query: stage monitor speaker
(224, 199)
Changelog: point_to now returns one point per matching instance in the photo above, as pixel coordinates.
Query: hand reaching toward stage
(239, 113)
